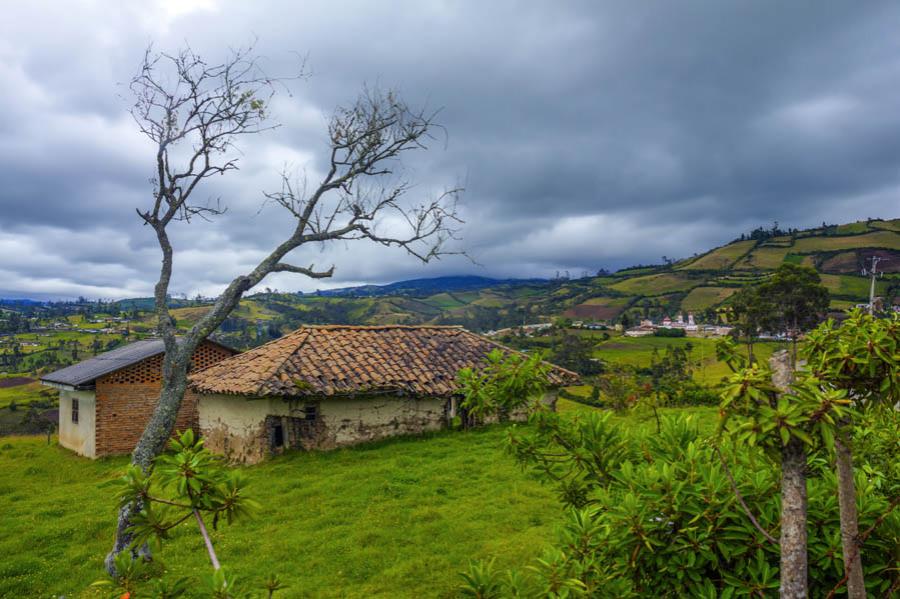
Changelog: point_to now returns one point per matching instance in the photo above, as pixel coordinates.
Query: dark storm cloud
(588, 134)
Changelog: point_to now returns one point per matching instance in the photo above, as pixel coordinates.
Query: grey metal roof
(86, 372)
(89, 370)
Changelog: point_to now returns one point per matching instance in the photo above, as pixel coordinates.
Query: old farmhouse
(327, 386)
(106, 401)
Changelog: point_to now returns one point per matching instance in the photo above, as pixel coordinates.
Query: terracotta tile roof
(348, 360)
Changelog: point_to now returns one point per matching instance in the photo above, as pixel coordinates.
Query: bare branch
(361, 188)
(740, 499)
(181, 100)
(309, 272)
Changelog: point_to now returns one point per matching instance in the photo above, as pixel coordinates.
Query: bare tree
(194, 112)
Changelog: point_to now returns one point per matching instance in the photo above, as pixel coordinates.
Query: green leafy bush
(663, 332)
(656, 514)
(506, 383)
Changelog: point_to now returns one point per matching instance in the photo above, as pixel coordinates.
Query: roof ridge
(379, 326)
(251, 353)
(287, 358)
(276, 340)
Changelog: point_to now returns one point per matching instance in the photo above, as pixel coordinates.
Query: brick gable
(127, 397)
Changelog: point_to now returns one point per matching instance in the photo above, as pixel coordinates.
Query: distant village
(115, 325)
(690, 327)
(677, 327)
(647, 327)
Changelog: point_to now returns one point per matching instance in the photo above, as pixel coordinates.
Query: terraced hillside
(703, 283)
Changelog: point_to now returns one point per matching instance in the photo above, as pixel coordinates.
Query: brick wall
(127, 397)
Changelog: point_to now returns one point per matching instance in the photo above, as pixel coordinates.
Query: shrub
(669, 333)
(655, 514)
(508, 382)
(693, 394)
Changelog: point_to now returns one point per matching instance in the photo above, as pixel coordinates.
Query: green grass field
(721, 258)
(638, 351)
(491, 301)
(767, 257)
(853, 228)
(393, 519)
(852, 287)
(398, 518)
(877, 239)
(11, 421)
(445, 301)
(887, 225)
(706, 416)
(655, 284)
(841, 304)
(21, 394)
(701, 298)
(780, 241)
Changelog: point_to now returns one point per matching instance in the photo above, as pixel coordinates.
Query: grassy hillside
(396, 519)
(393, 519)
(657, 284)
(701, 298)
(721, 258)
(839, 253)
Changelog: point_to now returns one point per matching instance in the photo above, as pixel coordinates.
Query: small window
(310, 413)
(278, 435)
(75, 411)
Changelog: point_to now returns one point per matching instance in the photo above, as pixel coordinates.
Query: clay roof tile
(346, 360)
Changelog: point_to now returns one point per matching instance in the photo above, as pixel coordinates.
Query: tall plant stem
(207, 540)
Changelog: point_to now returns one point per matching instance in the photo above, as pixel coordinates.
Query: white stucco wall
(350, 421)
(79, 437)
(235, 426)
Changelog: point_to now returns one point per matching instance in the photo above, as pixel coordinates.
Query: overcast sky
(588, 135)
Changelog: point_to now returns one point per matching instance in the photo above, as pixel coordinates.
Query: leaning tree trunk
(794, 583)
(152, 442)
(176, 363)
(856, 587)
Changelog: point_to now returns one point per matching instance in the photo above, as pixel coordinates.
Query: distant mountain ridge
(427, 286)
(6, 301)
(412, 287)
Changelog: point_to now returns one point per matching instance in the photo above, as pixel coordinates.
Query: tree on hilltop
(791, 301)
(794, 300)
